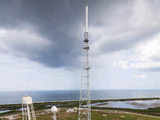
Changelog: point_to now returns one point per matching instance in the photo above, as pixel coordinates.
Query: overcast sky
(40, 44)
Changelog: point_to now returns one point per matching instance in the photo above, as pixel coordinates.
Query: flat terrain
(96, 115)
(100, 115)
(103, 113)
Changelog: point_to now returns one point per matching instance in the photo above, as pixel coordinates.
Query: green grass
(67, 103)
(97, 115)
(100, 115)
(120, 116)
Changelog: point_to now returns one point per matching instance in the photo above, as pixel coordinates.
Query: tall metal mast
(85, 104)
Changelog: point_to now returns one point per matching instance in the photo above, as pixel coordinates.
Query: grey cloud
(152, 69)
(127, 42)
(57, 21)
(124, 26)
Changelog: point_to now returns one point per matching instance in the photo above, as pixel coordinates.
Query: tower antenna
(84, 103)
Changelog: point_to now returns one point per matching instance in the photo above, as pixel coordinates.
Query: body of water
(45, 96)
(140, 104)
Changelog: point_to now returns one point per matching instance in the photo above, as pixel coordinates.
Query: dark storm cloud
(59, 21)
(56, 20)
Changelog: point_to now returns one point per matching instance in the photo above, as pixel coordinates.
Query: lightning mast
(84, 103)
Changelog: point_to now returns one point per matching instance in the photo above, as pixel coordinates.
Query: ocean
(61, 95)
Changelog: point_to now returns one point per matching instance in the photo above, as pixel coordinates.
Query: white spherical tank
(54, 109)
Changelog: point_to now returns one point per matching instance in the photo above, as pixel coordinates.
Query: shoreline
(13, 110)
(94, 100)
(69, 103)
